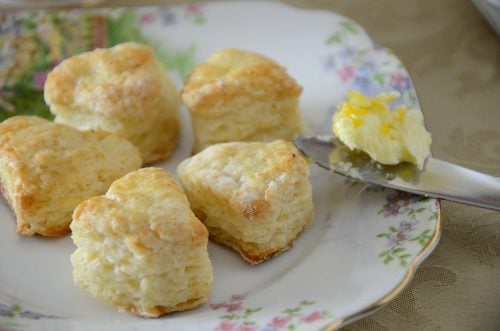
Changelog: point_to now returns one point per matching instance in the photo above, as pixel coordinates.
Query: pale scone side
(140, 248)
(239, 95)
(123, 90)
(47, 169)
(254, 197)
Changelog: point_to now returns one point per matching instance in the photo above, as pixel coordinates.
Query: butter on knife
(389, 136)
(399, 139)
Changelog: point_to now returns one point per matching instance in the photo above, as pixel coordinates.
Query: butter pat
(388, 136)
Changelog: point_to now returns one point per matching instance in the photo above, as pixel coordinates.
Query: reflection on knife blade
(438, 179)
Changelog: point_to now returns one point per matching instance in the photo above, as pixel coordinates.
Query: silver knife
(438, 179)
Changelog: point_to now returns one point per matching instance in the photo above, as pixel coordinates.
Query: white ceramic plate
(365, 243)
(491, 11)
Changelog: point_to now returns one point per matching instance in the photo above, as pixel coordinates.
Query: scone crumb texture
(140, 248)
(254, 197)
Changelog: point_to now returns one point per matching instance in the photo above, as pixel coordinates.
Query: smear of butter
(388, 136)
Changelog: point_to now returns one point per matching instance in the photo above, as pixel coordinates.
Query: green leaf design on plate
(292, 311)
(342, 32)
(398, 236)
(397, 253)
(250, 311)
(350, 26)
(334, 38)
(229, 317)
(126, 28)
(423, 238)
(24, 102)
(307, 303)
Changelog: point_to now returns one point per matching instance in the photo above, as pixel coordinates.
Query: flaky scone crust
(123, 194)
(250, 252)
(253, 197)
(47, 169)
(142, 230)
(233, 72)
(123, 90)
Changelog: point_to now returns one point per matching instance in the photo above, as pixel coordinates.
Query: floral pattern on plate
(409, 229)
(238, 317)
(33, 43)
(370, 70)
(11, 314)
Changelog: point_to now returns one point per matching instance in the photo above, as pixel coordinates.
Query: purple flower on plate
(407, 226)
(398, 196)
(391, 210)
(363, 79)
(395, 203)
(168, 17)
(400, 81)
(6, 311)
(347, 52)
(398, 238)
(30, 314)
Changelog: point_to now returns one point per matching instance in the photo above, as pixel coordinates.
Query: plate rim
(402, 285)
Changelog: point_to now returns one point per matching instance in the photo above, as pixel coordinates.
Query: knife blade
(437, 179)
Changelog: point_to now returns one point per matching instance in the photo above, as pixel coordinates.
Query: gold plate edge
(412, 269)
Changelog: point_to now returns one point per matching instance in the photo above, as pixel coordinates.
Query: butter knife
(437, 179)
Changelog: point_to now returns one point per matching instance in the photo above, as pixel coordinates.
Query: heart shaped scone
(254, 197)
(140, 248)
(123, 90)
(47, 169)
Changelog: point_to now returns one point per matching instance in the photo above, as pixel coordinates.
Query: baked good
(47, 169)
(140, 248)
(123, 90)
(238, 95)
(253, 196)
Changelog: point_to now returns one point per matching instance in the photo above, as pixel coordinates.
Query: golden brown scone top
(232, 72)
(140, 248)
(248, 174)
(47, 169)
(106, 81)
(147, 207)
